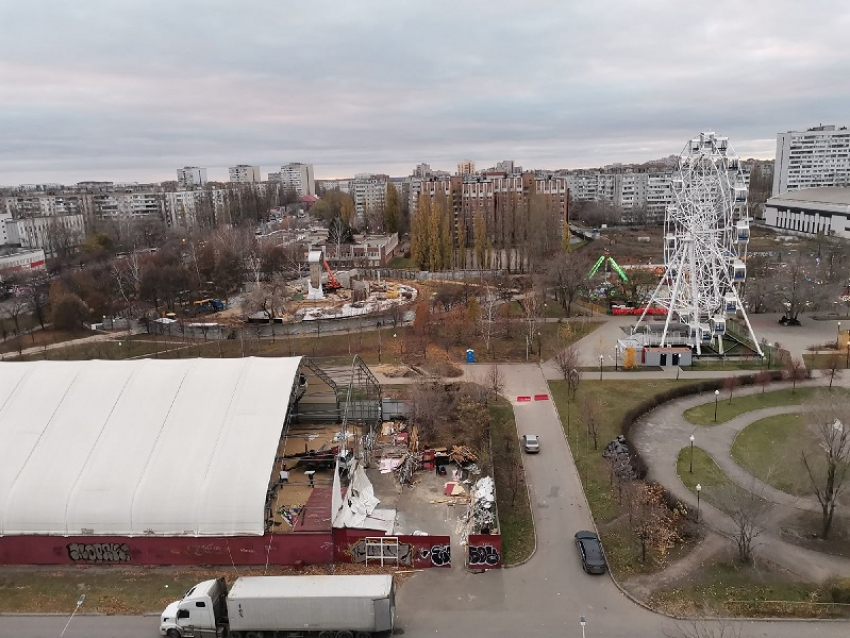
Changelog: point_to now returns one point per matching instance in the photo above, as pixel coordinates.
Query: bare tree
(566, 276)
(705, 628)
(828, 469)
(568, 360)
(795, 370)
(532, 306)
(651, 521)
(763, 378)
(730, 383)
(748, 510)
(831, 366)
(590, 409)
(495, 381)
(489, 305)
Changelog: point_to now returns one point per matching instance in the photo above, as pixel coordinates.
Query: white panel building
(814, 158)
(299, 177)
(189, 176)
(245, 174)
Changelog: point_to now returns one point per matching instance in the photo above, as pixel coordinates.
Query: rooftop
(826, 195)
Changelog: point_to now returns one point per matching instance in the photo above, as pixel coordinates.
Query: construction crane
(333, 285)
(614, 265)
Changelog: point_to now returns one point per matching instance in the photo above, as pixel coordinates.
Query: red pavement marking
(523, 398)
(541, 397)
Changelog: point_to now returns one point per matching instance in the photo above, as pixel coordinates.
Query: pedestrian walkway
(661, 435)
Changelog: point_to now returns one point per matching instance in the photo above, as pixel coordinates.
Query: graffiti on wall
(440, 555)
(361, 550)
(99, 552)
(484, 556)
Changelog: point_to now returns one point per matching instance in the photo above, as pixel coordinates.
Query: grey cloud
(103, 89)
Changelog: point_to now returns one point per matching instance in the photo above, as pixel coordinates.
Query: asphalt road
(543, 598)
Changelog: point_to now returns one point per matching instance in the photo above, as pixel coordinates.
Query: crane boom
(332, 284)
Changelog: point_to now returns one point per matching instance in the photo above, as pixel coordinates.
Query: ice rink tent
(145, 448)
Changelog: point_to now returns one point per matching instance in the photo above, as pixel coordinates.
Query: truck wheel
(172, 633)
(344, 634)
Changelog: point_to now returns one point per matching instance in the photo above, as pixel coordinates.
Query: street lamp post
(601, 358)
(847, 360)
(80, 601)
(838, 337)
(716, 394)
(699, 489)
(582, 622)
(691, 464)
(539, 346)
(616, 359)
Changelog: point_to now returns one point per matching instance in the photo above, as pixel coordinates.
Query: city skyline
(380, 87)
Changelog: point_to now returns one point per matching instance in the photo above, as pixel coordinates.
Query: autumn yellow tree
(630, 358)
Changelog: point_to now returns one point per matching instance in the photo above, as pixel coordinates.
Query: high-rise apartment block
(466, 167)
(814, 158)
(190, 176)
(299, 177)
(245, 174)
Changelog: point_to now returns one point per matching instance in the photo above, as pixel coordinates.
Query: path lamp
(73, 613)
(582, 622)
(539, 347)
(716, 394)
(699, 489)
(601, 358)
(616, 363)
(838, 337)
(691, 464)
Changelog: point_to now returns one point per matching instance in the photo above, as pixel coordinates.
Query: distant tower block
(314, 286)
(706, 232)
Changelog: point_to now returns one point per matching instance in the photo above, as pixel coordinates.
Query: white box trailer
(276, 606)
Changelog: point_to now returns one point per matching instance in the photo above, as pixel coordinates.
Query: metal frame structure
(706, 233)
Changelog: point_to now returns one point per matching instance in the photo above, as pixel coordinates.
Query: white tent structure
(140, 448)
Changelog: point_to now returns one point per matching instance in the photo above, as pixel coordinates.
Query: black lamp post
(601, 357)
(691, 464)
(699, 489)
(716, 394)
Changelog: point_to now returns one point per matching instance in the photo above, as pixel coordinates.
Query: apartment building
(55, 235)
(127, 205)
(245, 174)
(493, 192)
(369, 193)
(629, 190)
(190, 176)
(466, 167)
(299, 177)
(817, 157)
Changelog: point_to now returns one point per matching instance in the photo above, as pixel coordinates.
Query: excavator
(332, 285)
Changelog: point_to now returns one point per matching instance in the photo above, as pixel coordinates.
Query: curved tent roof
(142, 447)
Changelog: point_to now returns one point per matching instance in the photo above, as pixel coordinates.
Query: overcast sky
(130, 90)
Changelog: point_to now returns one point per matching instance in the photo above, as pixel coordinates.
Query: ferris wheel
(706, 233)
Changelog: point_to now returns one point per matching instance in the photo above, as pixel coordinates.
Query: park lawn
(770, 450)
(825, 360)
(749, 363)
(726, 410)
(515, 518)
(617, 398)
(729, 589)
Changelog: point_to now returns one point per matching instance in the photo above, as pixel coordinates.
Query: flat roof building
(810, 211)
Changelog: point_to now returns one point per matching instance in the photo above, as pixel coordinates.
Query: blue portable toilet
(470, 356)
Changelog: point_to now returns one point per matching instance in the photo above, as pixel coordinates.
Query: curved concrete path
(664, 432)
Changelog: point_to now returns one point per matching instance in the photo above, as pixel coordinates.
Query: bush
(839, 591)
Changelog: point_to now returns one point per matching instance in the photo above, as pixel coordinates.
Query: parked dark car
(590, 550)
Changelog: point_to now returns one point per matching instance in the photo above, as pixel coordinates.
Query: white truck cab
(194, 615)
